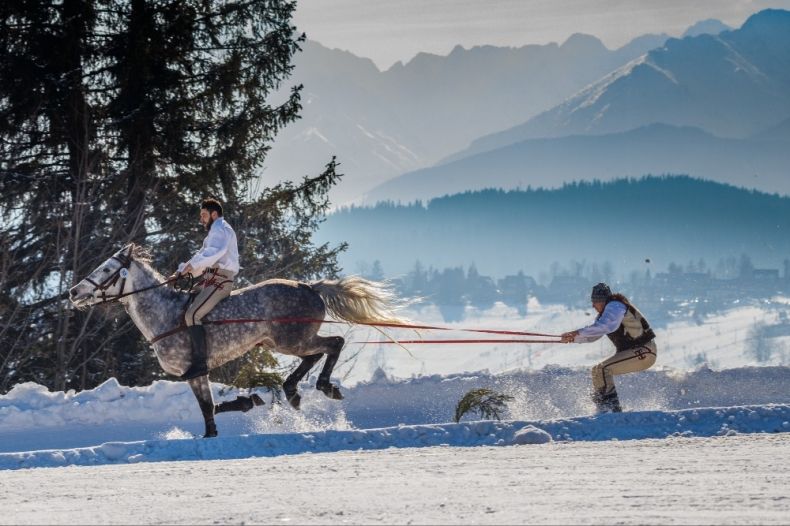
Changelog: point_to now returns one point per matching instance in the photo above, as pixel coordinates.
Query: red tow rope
(383, 324)
(398, 342)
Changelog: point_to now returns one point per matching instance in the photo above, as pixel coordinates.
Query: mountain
(762, 162)
(711, 26)
(780, 132)
(665, 219)
(384, 123)
(732, 84)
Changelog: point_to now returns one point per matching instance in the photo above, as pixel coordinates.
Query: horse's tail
(358, 300)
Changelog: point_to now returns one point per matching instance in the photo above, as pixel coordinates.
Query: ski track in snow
(624, 426)
(721, 480)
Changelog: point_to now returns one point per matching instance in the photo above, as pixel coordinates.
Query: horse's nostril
(73, 292)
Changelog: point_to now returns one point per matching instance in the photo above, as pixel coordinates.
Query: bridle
(121, 273)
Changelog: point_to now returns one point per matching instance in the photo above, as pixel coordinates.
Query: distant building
(765, 274)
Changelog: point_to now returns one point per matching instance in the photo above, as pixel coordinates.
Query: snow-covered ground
(702, 439)
(722, 480)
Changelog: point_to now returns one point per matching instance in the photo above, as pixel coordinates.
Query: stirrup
(195, 371)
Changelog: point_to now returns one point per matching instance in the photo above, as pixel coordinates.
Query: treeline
(453, 288)
(118, 118)
(662, 218)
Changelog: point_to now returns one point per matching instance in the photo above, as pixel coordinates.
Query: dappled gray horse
(281, 315)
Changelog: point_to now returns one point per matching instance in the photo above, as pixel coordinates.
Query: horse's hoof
(295, 400)
(246, 403)
(330, 391)
(211, 431)
(292, 396)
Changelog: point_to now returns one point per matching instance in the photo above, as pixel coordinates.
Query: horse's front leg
(202, 390)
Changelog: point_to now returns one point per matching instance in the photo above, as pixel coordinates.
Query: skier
(631, 335)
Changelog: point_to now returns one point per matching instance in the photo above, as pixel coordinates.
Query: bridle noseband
(112, 279)
(121, 273)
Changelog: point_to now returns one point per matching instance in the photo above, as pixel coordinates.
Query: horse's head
(107, 282)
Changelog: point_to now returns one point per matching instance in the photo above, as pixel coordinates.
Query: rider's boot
(199, 365)
(607, 403)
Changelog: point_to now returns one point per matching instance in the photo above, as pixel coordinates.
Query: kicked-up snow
(118, 424)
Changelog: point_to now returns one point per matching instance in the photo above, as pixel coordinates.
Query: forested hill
(625, 222)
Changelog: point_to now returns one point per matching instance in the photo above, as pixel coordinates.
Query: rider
(631, 335)
(218, 263)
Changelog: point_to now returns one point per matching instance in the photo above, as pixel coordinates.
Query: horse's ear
(127, 251)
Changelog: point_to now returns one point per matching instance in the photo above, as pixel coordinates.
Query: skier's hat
(600, 292)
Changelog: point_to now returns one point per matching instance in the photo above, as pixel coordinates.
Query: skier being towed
(631, 335)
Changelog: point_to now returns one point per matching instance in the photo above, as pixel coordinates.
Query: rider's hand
(568, 337)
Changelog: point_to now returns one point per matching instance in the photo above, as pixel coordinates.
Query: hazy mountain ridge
(662, 218)
(761, 162)
(733, 84)
(382, 124)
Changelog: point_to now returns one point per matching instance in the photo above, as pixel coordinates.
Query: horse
(282, 315)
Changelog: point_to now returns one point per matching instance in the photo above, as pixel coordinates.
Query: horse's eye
(107, 270)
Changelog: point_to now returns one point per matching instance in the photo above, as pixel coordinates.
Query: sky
(387, 31)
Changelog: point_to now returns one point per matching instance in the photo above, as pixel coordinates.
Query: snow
(116, 424)
(718, 480)
(698, 443)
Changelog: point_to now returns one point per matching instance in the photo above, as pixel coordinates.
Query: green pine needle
(485, 402)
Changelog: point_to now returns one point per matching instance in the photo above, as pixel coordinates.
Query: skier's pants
(628, 361)
(214, 287)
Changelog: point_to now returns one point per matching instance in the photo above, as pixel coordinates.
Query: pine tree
(118, 119)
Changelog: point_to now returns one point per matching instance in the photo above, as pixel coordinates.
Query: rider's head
(210, 210)
(599, 296)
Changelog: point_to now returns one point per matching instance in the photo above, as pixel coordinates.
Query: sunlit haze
(391, 30)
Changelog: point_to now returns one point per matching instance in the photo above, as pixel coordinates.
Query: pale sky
(391, 30)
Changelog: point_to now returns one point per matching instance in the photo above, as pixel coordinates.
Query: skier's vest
(634, 331)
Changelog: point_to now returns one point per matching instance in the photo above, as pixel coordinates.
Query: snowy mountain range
(733, 84)
(711, 106)
(381, 124)
(760, 162)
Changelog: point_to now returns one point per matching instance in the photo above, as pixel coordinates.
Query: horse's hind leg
(334, 345)
(289, 386)
(202, 390)
(241, 403)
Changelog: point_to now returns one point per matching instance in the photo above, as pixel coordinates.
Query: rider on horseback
(217, 262)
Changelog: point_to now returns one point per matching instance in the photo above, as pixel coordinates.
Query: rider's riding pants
(214, 286)
(628, 361)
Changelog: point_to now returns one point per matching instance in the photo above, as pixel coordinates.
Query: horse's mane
(141, 253)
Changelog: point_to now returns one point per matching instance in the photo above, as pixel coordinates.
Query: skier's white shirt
(219, 249)
(610, 320)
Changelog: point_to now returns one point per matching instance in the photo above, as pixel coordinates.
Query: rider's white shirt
(610, 320)
(219, 249)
